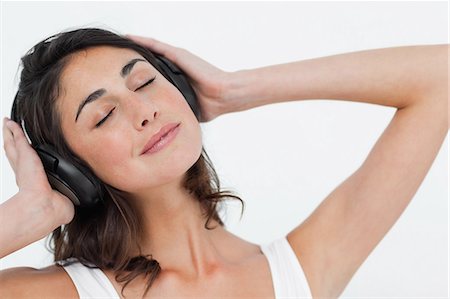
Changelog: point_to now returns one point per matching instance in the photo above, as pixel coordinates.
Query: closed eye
(110, 112)
(146, 83)
(101, 122)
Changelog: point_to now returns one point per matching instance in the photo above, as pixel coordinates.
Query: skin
(173, 225)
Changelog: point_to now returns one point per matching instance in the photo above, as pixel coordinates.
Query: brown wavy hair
(105, 235)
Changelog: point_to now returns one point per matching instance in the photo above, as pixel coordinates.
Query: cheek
(108, 156)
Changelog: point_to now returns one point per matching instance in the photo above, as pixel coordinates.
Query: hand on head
(209, 82)
(30, 175)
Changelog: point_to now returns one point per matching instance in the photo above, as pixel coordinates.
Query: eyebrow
(99, 92)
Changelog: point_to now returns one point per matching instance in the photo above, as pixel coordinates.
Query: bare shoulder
(27, 282)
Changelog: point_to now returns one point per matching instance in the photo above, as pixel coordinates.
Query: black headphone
(72, 180)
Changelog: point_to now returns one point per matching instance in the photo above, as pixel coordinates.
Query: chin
(171, 170)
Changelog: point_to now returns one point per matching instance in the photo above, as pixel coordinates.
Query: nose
(143, 111)
(144, 121)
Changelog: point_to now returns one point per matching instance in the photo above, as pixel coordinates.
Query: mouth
(161, 138)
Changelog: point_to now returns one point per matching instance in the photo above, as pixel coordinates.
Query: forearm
(23, 223)
(395, 77)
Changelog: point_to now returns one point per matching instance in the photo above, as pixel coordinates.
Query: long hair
(101, 237)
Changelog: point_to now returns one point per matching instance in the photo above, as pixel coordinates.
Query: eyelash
(146, 83)
(110, 112)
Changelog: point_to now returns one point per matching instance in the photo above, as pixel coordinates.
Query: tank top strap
(89, 282)
(289, 280)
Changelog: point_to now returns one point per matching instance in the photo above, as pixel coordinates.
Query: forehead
(90, 69)
(97, 60)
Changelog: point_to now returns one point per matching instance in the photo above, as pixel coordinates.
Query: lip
(155, 138)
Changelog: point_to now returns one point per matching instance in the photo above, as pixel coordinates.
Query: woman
(148, 237)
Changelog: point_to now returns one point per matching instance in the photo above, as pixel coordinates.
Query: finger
(7, 134)
(9, 145)
(154, 45)
(146, 41)
(20, 141)
(19, 136)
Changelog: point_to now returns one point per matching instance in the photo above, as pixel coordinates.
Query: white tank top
(288, 278)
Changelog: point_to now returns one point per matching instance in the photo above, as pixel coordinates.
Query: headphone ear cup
(79, 186)
(177, 78)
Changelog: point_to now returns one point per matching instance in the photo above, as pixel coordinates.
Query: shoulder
(27, 282)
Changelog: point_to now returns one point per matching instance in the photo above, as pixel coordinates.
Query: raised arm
(395, 77)
(333, 242)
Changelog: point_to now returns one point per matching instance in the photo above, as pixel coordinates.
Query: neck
(174, 232)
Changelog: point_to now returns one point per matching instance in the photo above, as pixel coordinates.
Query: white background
(318, 143)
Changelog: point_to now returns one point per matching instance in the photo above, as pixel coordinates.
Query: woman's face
(113, 149)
